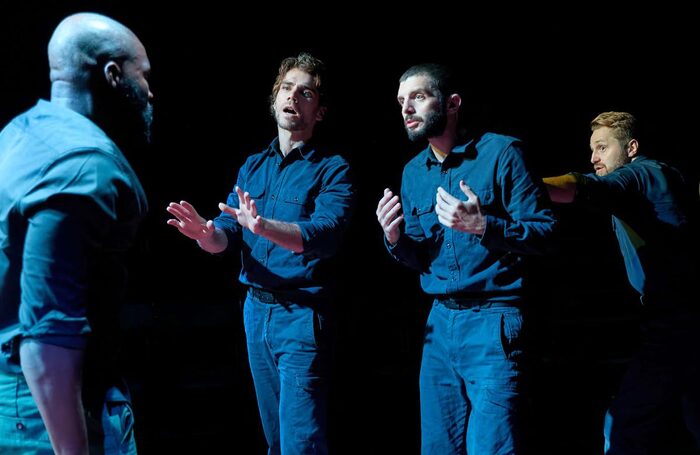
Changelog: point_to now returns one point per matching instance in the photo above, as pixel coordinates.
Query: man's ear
(632, 148)
(321, 112)
(113, 73)
(453, 103)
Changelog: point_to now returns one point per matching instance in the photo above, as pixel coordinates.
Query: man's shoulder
(496, 141)
(329, 156)
(64, 131)
(46, 142)
(642, 162)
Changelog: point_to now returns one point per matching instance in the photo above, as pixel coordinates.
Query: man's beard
(135, 109)
(434, 124)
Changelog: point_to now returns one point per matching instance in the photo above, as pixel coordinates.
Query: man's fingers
(246, 200)
(383, 208)
(225, 208)
(444, 221)
(390, 214)
(180, 215)
(388, 195)
(467, 190)
(241, 197)
(189, 207)
(440, 210)
(394, 224)
(446, 197)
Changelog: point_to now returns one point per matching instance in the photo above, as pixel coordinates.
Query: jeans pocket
(511, 334)
(118, 427)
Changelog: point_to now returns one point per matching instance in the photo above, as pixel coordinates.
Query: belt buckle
(457, 303)
(263, 296)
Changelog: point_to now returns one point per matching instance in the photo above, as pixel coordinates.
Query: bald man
(69, 207)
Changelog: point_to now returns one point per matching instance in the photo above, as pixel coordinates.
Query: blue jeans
(22, 430)
(289, 355)
(661, 388)
(471, 381)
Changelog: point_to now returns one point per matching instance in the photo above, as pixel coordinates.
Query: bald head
(83, 41)
(100, 69)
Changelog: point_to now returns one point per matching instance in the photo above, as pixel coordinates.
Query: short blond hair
(623, 125)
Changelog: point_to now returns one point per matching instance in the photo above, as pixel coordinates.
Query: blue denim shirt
(309, 187)
(651, 212)
(518, 220)
(70, 205)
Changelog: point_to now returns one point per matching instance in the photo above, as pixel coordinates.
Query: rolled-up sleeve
(333, 208)
(69, 213)
(529, 220)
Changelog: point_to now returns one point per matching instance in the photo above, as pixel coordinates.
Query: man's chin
(415, 136)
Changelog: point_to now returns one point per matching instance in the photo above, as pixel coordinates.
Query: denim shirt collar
(459, 151)
(304, 152)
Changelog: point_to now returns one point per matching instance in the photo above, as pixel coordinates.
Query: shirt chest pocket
(257, 194)
(424, 211)
(295, 205)
(427, 218)
(486, 199)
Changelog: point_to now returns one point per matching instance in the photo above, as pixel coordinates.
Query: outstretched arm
(192, 225)
(561, 188)
(286, 235)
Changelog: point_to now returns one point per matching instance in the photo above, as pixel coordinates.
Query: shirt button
(273, 196)
(448, 246)
(20, 426)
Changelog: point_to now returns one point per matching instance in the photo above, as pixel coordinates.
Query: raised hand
(188, 221)
(247, 213)
(389, 217)
(461, 215)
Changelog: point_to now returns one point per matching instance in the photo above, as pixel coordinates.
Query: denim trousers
(289, 354)
(22, 430)
(472, 381)
(660, 392)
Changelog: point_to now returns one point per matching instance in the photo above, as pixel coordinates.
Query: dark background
(539, 78)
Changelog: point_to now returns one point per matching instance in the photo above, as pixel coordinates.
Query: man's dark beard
(137, 110)
(125, 113)
(434, 124)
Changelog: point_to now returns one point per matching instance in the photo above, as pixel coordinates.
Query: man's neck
(439, 154)
(442, 146)
(290, 140)
(71, 97)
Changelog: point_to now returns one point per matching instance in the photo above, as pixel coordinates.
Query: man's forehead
(419, 82)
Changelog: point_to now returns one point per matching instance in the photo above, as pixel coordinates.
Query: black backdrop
(536, 78)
